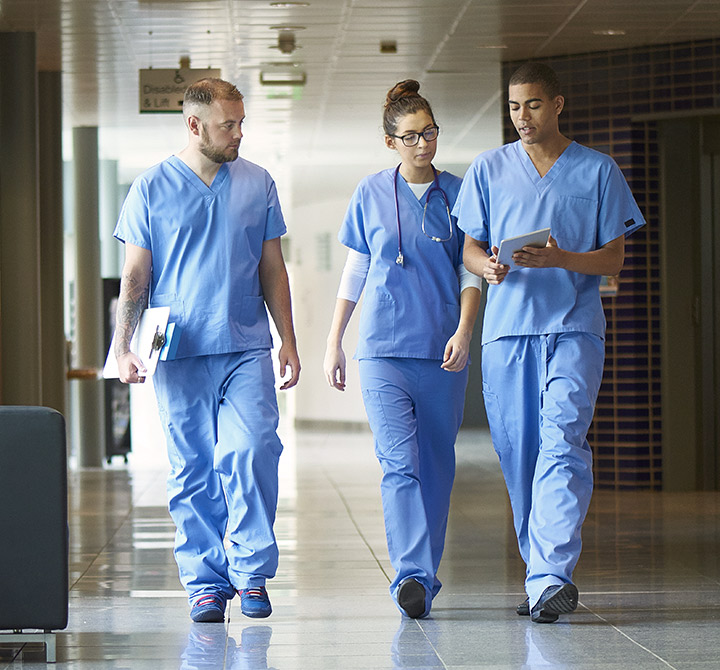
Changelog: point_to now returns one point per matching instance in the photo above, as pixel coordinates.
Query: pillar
(53, 362)
(20, 373)
(109, 211)
(89, 345)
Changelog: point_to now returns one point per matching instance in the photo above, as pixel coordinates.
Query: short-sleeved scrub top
(206, 243)
(409, 310)
(584, 200)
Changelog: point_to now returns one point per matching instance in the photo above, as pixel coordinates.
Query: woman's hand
(457, 351)
(334, 366)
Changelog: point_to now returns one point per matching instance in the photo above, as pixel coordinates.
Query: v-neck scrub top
(410, 310)
(585, 201)
(206, 243)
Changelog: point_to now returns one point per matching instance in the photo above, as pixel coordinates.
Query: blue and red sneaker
(208, 608)
(254, 602)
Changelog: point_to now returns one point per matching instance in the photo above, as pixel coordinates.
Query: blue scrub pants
(220, 417)
(540, 394)
(415, 409)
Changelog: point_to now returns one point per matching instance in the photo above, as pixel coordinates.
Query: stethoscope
(435, 186)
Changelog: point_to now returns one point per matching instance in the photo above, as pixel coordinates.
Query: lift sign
(162, 91)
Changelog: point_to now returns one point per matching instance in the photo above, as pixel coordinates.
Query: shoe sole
(257, 615)
(563, 601)
(411, 598)
(208, 617)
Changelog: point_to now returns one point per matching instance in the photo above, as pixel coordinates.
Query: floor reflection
(649, 578)
(209, 647)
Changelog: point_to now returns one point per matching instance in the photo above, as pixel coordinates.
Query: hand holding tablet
(508, 246)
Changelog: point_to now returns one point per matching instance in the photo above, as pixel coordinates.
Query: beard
(213, 152)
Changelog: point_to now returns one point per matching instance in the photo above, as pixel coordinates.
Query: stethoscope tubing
(400, 260)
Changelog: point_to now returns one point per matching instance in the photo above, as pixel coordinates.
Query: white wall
(320, 195)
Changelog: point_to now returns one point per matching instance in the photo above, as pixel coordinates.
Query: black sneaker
(523, 609)
(411, 598)
(555, 600)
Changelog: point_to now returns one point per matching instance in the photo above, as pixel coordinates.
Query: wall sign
(162, 91)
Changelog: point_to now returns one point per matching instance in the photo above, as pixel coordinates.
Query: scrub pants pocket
(498, 432)
(388, 432)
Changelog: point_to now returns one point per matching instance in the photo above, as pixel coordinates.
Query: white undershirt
(357, 265)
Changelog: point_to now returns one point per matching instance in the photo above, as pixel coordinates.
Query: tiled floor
(649, 578)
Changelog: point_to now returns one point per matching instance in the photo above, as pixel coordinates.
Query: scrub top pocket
(452, 314)
(574, 223)
(377, 325)
(174, 302)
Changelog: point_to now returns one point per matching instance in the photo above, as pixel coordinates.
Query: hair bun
(404, 89)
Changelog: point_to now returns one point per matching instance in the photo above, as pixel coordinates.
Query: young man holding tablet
(544, 327)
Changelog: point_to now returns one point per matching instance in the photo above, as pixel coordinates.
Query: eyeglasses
(411, 139)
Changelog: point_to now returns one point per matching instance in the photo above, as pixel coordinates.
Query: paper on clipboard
(153, 322)
(508, 246)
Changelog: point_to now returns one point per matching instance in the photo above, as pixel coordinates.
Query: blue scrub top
(206, 243)
(408, 311)
(585, 201)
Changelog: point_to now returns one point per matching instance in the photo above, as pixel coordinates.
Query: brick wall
(606, 95)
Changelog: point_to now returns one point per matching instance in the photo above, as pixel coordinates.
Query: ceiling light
(283, 64)
(289, 5)
(609, 32)
(287, 28)
(491, 46)
(275, 78)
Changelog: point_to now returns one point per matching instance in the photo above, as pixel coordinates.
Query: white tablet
(537, 238)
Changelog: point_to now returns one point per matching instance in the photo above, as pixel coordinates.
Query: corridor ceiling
(344, 48)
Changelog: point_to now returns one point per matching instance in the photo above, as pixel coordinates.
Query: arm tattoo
(133, 299)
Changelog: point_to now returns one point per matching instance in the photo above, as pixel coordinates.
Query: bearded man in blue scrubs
(202, 236)
(544, 326)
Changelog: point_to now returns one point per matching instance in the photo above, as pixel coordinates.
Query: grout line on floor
(355, 524)
(432, 646)
(627, 637)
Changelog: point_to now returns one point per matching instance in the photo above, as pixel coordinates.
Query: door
(690, 299)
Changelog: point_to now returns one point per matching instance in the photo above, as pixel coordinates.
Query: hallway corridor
(649, 578)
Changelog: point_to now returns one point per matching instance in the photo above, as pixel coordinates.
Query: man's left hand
(549, 256)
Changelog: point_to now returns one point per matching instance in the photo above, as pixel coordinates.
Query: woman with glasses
(420, 305)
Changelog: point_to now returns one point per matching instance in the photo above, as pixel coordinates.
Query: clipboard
(508, 246)
(154, 340)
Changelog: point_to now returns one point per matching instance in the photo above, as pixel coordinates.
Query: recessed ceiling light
(291, 28)
(283, 64)
(609, 32)
(491, 46)
(274, 78)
